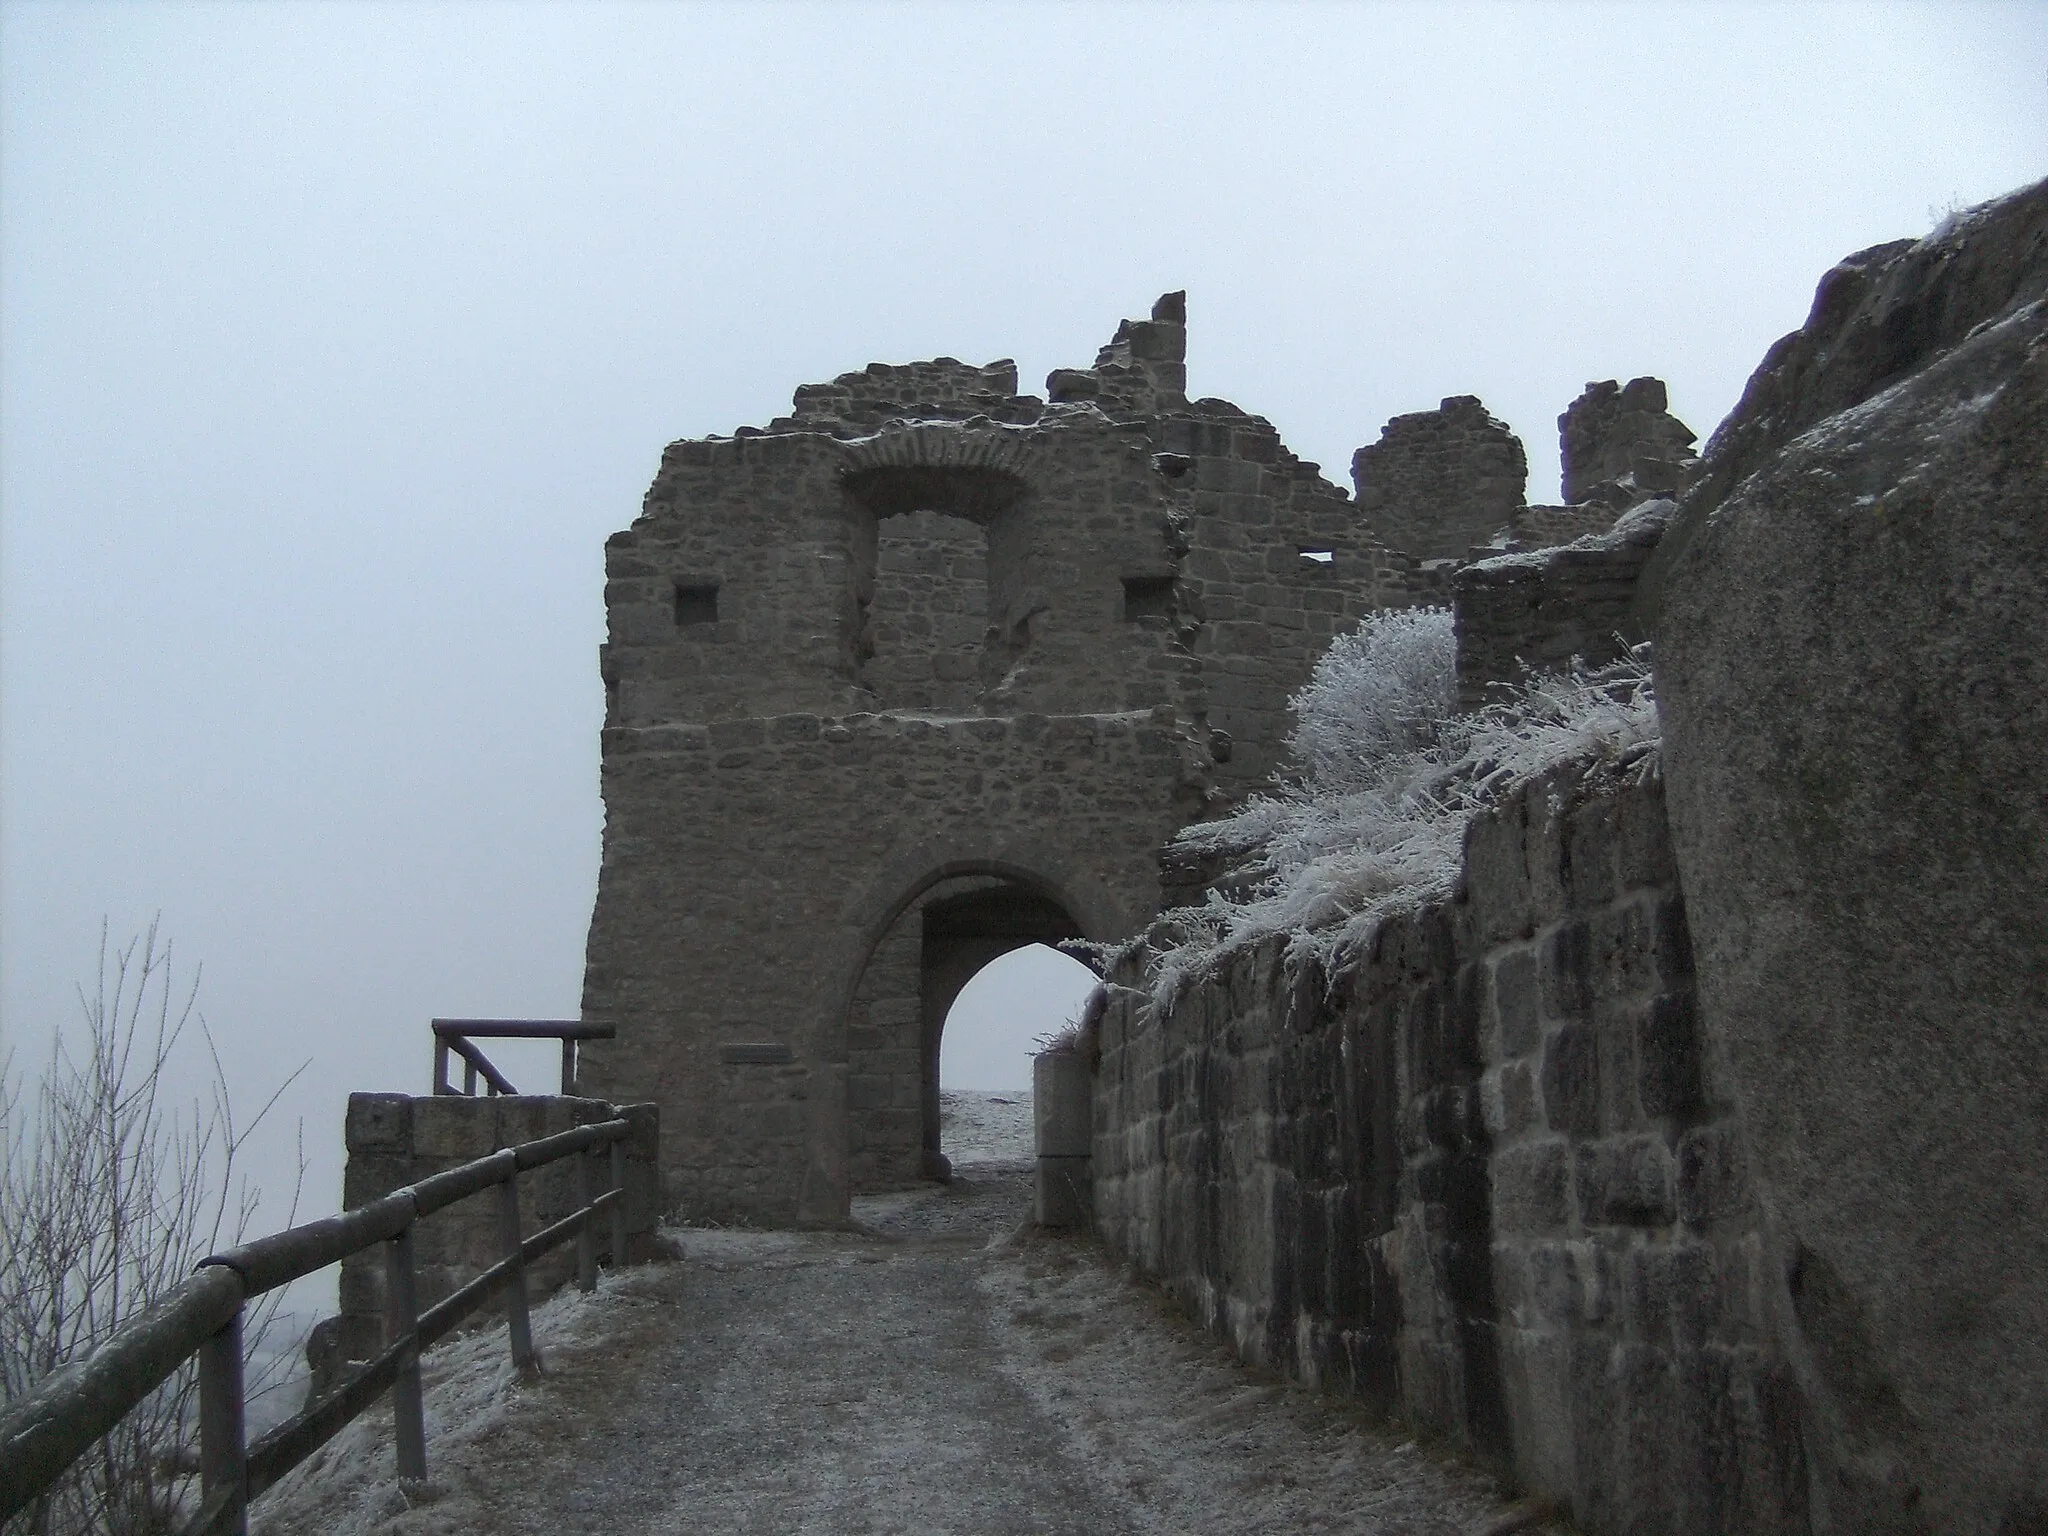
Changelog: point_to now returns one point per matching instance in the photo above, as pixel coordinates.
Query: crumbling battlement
(1438, 482)
(944, 389)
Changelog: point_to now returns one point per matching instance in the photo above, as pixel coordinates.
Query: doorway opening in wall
(992, 1031)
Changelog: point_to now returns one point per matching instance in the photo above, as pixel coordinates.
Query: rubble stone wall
(1619, 442)
(1488, 1178)
(1539, 610)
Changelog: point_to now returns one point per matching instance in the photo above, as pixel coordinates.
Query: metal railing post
(441, 1083)
(619, 1205)
(518, 1324)
(586, 1240)
(468, 1075)
(401, 1323)
(568, 1066)
(223, 1447)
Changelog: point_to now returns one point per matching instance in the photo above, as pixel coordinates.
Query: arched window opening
(923, 628)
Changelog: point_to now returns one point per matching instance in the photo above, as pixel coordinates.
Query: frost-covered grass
(1391, 774)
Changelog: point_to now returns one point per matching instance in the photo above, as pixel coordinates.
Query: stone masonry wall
(923, 643)
(924, 628)
(394, 1139)
(1619, 444)
(1539, 610)
(1438, 482)
(1488, 1178)
(736, 966)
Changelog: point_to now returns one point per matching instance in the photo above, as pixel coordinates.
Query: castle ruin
(928, 670)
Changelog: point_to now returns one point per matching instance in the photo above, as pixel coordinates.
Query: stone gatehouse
(920, 673)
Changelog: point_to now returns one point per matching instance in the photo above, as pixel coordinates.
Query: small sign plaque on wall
(763, 1054)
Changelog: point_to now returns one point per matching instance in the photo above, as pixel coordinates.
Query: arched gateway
(924, 671)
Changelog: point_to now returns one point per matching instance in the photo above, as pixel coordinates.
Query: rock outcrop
(1852, 666)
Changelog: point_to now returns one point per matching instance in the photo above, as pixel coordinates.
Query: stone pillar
(1062, 1093)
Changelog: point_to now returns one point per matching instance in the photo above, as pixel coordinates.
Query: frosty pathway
(939, 1371)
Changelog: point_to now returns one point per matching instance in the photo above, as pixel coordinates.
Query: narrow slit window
(1313, 554)
(1148, 597)
(696, 603)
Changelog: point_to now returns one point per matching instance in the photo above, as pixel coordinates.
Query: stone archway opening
(905, 1000)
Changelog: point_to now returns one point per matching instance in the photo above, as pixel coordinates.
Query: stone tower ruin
(923, 672)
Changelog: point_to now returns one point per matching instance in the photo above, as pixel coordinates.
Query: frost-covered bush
(1383, 691)
(1391, 775)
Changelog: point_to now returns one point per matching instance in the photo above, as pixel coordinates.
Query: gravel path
(942, 1369)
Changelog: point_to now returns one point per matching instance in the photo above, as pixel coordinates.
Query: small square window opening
(1148, 597)
(696, 602)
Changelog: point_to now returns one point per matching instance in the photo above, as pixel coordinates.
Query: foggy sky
(335, 339)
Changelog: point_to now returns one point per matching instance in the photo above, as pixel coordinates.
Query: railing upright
(518, 1326)
(586, 1239)
(401, 1325)
(618, 1161)
(223, 1442)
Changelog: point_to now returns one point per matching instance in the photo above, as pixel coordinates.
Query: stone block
(1591, 852)
(1063, 1193)
(1514, 1003)
(370, 1176)
(1667, 1040)
(1567, 970)
(1571, 1080)
(453, 1128)
(1532, 1187)
(1713, 1177)
(379, 1123)
(1625, 1181)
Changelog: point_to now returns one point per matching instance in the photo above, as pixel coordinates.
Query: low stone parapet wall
(1488, 1178)
(395, 1139)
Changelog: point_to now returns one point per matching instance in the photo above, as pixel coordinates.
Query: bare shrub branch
(110, 1195)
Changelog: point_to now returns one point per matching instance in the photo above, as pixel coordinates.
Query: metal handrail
(460, 1036)
(42, 1434)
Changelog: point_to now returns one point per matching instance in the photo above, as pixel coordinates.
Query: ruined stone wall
(1620, 444)
(920, 629)
(944, 389)
(1489, 1178)
(1537, 611)
(1438, 482)
(730, 960)
(925, 626)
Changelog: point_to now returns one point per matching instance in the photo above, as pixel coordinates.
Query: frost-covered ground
(943, 1368)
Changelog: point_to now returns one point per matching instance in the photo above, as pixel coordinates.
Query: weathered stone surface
(921, 641)
(1491, 1179)
(1855, 688)
(1438, 482)
(1620, 444)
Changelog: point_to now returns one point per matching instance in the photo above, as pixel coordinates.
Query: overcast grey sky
(338, 337)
